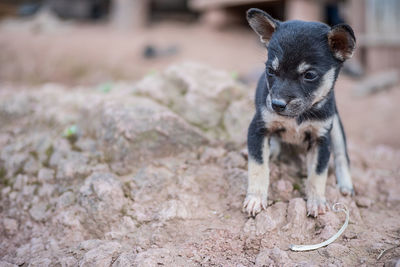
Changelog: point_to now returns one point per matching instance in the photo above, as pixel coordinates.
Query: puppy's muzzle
(278, 105)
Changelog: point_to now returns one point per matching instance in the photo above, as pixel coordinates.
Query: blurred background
(90, 42)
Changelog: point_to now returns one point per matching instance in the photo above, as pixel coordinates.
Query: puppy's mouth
(293, 109)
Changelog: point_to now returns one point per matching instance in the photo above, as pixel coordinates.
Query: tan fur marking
(258, 182)
(303, 67)
(315, 185)
(259, 173)
(275, 63)
(326, 85)
(342, 169)
(315, 182)
(295, 133)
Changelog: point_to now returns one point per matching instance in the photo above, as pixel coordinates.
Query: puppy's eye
(310, 76)
(270, 71)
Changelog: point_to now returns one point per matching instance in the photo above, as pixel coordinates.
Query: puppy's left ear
(262, 23)
(342, 41)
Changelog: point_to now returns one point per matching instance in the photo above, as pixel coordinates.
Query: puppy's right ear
(262, 23)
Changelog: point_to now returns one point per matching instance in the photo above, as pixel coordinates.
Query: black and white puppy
(295, 104)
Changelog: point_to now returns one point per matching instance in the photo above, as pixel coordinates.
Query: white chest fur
(290, 131)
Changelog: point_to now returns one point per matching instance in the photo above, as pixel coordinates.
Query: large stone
(201, 95)
(140, 129)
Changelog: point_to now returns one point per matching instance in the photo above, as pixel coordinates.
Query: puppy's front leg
(317, 168)
(258, 169)
(339, 147)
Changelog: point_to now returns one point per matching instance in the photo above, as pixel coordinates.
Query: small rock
(393, 263)
(235, 160)
(23, 254)
(327, 232)
(126, 259)
(249, 227)
(270, 219)
(355, 216)
(29, 190)
(212, 154)
(45, 175)
(75, 165)
(125, 228)
(68, 218)
(7, 264)
(272, 257)
(20, 182)
(66, 199)
(39, 262)
(90, 244)
(68, 262)
(102, 255)
(100, 168)
(350, 235)
(160, 257)
(5, 191)
(284, 189)
(296, 213)
(336, 250)
(32, 166)
(86, 144)
(174, 209)
(329, 218)
(46, 190)
(39, 211)
(363, 202)
(37, 245)
(106, 188)
(103, 199)
(14, 163)
(10, 225)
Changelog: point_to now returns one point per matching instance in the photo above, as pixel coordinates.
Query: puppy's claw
(254, 204)
(316, 206)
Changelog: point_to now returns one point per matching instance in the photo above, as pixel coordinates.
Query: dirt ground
(91, 203)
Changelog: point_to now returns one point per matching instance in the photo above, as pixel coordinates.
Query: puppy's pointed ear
(342, 41)
(262, 23)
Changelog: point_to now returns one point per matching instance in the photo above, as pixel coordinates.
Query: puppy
(295, 104)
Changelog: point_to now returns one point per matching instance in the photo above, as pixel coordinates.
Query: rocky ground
(154, 173)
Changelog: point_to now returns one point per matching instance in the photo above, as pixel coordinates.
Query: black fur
(324, 153)
(255, 138)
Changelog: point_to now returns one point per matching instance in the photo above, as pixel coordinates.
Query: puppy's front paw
(316, 205)
(254, 203)
(346, 190)
(344, 181)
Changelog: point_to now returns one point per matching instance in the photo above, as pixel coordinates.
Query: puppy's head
(303, 62)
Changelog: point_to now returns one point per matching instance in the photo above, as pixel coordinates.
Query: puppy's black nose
(278, 105)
